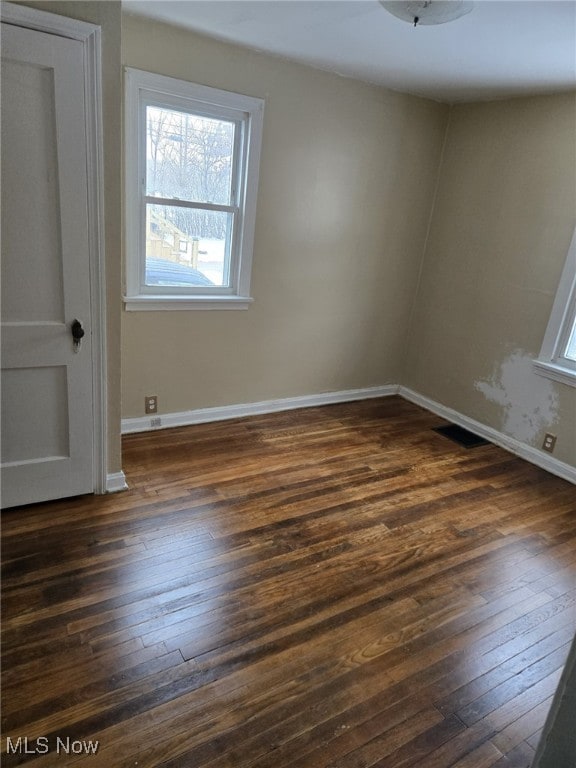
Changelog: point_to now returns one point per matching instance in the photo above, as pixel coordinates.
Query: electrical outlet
(151, 404)
(549, 442)
(156, 422)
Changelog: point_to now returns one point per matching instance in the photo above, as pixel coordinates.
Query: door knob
(77, 334)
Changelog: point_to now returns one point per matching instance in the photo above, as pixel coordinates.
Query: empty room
(288, 383)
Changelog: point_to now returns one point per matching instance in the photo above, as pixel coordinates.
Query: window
(192, 157)
(557, 358)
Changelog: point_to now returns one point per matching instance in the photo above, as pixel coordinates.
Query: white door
(47, 400)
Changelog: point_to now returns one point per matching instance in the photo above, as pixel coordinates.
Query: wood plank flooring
(337, 587)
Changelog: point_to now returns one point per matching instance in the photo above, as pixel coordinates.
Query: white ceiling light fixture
(428, 11)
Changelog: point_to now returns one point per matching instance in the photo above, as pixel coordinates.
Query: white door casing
(53, 397)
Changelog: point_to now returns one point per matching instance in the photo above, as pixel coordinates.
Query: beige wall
(108, 16)
(501, 228)
(346, 183)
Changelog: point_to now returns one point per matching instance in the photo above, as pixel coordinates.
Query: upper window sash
(552, 360)
(145, 90)
(238, 118)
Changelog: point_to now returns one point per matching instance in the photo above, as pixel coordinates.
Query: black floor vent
(461, 436)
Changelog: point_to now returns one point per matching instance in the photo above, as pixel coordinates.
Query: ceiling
(503, 48)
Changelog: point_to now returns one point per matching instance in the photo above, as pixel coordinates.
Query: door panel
(27, 390)
(29, 131)
(47, 400)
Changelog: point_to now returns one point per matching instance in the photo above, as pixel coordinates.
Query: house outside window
(557, 358)
(192, 160)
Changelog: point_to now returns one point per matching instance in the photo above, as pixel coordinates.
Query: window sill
(555, 371)
(171, 303)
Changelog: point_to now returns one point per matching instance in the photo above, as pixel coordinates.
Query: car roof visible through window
(163, 272)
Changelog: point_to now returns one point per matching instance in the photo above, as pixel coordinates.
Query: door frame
(90, 37)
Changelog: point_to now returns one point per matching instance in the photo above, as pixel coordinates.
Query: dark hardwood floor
(334, 587)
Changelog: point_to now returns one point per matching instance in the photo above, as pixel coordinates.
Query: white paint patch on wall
(530, 402)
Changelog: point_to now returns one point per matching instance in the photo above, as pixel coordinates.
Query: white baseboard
(202, 415)
(116, 481)
(533, 455)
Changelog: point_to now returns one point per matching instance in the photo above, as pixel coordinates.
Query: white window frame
(141, 90)
(552, 361)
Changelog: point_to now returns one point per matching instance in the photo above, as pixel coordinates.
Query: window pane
(571, 348)
(188, 157)
(187, 246)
